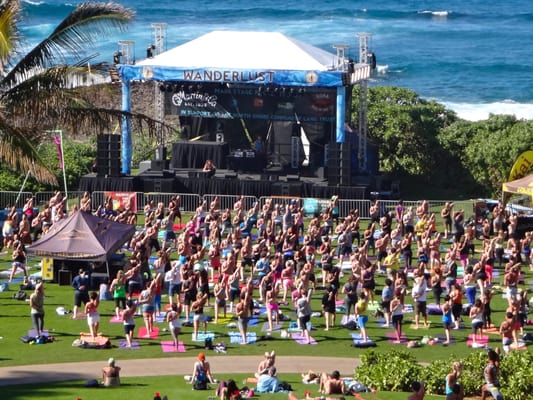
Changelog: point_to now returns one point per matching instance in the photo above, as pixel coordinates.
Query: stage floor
(227, 182)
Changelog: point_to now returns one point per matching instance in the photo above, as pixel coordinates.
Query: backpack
(20, 295)
(208, 343)
(351, 325)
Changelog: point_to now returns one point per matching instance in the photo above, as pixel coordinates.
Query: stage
(224, 182)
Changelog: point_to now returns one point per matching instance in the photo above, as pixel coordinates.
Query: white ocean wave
(481, 111)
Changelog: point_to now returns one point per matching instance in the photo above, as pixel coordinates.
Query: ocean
(473, 56)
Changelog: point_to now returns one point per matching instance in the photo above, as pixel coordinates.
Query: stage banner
(123, 199)
(312, 206)
(275, 103)
(522, 165)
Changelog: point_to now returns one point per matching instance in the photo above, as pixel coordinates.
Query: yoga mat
(100, 339)
(123, 345)
(168, 347)
(253, 321)
(80, 315)
(202, 336)
(421, 326)
(33, 333)
(115, 320)
(484, 340)
(391, 338)
(357, 339)
(235, 337)
(300, 339)
(408, 308)
(433, 309)
(143, 334)
(161, 317)
(442, 338)
(275, 327)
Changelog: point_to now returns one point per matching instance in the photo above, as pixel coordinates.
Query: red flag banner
(57, 141)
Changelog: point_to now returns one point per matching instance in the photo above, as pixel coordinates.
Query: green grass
(15, 322)
(174, 387)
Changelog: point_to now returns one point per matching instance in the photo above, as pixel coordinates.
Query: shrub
(516, 375)
(391, 371)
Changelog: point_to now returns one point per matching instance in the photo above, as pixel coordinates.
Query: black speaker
(108, 155)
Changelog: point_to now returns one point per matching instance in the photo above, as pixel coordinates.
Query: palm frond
(81, 28)
(9, 17)
(18, 152)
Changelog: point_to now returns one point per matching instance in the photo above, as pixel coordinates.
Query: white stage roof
(245, 50)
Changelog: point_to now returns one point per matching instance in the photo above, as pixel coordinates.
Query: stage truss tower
(159, 46)
(363, 103)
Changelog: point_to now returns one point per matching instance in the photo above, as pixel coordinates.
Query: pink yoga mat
(115, 320)
(484, 340)
(168, 347)
(144, 334)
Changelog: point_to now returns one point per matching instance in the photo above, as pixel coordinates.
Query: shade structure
(83, 236)
(520, 186)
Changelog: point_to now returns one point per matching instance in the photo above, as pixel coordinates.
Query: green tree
(405, 128)
(486, 150)
(41, 90)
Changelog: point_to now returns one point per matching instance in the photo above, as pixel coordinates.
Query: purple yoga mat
(300, 339)
(391, 338)
(123, 345)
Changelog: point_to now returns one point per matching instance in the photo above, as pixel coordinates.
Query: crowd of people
(271, 255)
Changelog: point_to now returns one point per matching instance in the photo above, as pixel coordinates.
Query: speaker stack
(108, 155)
(339, 164)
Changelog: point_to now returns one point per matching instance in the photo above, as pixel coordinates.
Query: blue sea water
(474, 56)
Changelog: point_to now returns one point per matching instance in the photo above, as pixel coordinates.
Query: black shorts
(234, 295)
(397, 319)
(420, 307)
(80, 297)
(385, 305)
(128, 328)
(304, 320)
(120, 302)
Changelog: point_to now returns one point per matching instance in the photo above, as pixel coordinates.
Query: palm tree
(40, 90)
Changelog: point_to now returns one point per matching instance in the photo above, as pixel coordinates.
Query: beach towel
(202, 336)
(99, 340)
(391, 338)
(300, 339)
(168, 347)
(143, 333)
(123, 345)
(236, 338)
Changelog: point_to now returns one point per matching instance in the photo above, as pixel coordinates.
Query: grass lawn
(15, 322)
(174, 387)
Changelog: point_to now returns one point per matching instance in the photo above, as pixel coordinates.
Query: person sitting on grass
(266, 364)
(228, 390)
(268, 383)
(111, 374)
(201, 374)
(331, 384)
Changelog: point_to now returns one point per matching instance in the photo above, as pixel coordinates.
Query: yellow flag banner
(522, 165)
